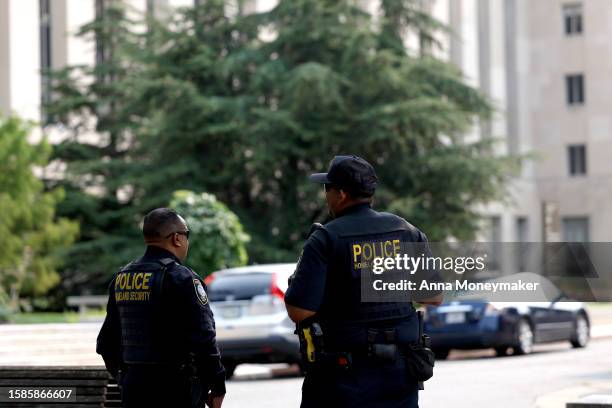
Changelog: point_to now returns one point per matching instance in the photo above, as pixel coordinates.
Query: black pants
(154, 386)
(364, 385)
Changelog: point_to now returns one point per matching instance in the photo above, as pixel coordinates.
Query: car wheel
(441, 354)
(524, 338)
(582, 332)
(501, 351)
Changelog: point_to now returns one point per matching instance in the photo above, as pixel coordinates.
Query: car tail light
(271, 303)
(208, 280)
(274, 289)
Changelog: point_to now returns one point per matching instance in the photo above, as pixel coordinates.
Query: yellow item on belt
(310, 348)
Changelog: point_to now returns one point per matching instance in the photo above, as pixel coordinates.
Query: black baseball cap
(351, 173)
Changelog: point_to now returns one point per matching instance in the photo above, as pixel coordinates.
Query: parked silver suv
(252, 324)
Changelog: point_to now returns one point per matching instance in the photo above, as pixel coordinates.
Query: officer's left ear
(343, 196)
(176, 240)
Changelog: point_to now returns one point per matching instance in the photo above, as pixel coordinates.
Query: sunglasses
(185, 233)
(327, 187)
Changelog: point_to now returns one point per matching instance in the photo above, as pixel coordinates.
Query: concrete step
(79, 359)
(49, 328)
(592, 401)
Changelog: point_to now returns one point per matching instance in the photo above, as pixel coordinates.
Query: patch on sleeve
(200, 292)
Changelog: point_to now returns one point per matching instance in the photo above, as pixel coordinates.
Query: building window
(575, 229)
(494, 232)
(522, 238)
(576, 158)
(574, 86)
(521, 229)
(45, 54)
(572, 19)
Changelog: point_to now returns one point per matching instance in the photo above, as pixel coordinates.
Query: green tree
(218, 238)
(116, 112)
(193, 99)
(91, 105)
(246, 106)
(334, 80)
(247, 117)
(32, 236)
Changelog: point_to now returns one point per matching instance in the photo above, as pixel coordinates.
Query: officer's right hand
(215, 401)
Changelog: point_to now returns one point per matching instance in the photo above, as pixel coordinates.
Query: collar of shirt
(159, 253)
(354, 208)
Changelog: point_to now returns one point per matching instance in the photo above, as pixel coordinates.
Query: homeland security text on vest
(133, 286)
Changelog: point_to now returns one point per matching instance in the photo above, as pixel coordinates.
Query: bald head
(161, 222)
(166, 229)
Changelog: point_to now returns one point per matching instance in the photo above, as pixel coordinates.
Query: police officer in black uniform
(158, 338)
(365, 359)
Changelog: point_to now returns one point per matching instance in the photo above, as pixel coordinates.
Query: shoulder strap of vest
(166, 262)
(315, 226)
(150, 265)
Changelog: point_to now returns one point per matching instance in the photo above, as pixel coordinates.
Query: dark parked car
(505, 326)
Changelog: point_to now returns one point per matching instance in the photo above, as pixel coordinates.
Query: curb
(601, 331)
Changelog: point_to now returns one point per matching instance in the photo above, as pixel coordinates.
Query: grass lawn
(53, 317)
(600, 304)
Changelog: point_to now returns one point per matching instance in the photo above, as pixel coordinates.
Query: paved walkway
(75, 344)
(49, 344)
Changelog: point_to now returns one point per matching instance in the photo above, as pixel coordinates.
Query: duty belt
(381, 347)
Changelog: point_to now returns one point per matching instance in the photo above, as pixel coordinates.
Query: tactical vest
(356, 238)
(138, 295)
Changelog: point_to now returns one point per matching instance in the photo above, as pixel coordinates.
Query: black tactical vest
(138, 295)
(357, 237)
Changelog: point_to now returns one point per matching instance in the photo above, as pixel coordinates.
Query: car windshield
(242, 286)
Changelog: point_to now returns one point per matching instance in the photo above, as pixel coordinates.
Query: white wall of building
(5, 54)
(21, 68)
(555, 125)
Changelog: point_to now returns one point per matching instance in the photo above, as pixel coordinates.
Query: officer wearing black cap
(364, 363)
(158, 338)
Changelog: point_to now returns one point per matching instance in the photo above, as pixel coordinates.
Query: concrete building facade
(546, 67)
